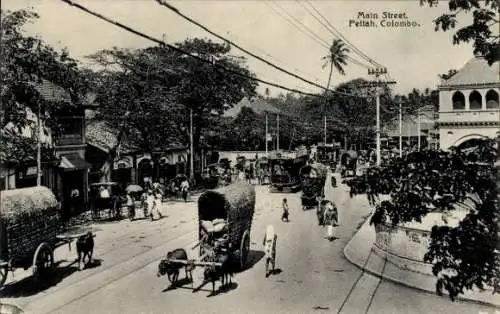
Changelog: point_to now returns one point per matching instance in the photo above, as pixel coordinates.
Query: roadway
(314, 276)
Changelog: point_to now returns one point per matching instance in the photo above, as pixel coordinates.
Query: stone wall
(404, 247)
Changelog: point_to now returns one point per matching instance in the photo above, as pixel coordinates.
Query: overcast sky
(413, 56)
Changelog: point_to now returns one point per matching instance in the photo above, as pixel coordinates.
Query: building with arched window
(469, 104)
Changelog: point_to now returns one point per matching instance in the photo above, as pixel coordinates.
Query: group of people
(151, 200)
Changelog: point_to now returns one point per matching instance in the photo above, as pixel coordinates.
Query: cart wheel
(43, 260)
(244, 249)
(3, 274)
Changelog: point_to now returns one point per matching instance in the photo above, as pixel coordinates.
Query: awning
(73, 162)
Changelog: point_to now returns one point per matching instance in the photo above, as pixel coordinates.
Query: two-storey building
(469, 104)
(69, 171)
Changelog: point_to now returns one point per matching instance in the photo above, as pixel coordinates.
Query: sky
(413, 56)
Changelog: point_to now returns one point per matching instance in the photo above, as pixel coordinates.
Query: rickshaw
(313, 179)
(31, 227)
(113, 203)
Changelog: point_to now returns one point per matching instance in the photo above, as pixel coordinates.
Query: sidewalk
(357, 251)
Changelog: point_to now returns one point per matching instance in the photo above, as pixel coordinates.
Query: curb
(403, 283)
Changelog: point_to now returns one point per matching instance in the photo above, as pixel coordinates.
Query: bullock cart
(224, 222)
(30, 229)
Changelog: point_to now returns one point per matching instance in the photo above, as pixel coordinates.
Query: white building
(468, 104)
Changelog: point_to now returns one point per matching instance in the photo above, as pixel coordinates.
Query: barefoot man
(270, 248)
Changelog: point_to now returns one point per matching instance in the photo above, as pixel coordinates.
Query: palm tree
(336, 58)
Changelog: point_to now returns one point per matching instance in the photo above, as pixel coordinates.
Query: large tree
(483, 31)
(136, 93)
(210, 88)
(464, 256)
(26, 62)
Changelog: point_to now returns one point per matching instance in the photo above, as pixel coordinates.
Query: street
(313, 274)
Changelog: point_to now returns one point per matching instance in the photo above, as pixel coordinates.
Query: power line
(316, 38)
(361, 53)
(198, 57)
(165, 4)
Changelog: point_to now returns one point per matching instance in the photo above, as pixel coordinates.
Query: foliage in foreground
(465, 256)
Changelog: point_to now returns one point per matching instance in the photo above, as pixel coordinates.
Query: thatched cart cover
(28, 217)
(234, 203)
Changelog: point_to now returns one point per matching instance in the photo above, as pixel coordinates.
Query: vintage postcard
(234, 156)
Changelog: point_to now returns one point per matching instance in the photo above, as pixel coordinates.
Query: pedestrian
(269, 244)
(150, 202)
(185, 189)
(130, 206)
(286, 213)
(157, 204)
(330, 219)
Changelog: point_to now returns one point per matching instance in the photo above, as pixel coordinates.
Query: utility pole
(277, 132)
(400, 130)
(325, 130)
(418, 129)
(377, 72)
(267, 132)
(191, 144)
(39, 149)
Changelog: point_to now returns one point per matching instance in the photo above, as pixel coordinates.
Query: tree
(464, 256)
(26, 62)
(484, 28)
(336, 58)
(136, 92)
(206, 89)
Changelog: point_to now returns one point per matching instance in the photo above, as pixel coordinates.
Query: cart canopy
(19, 202)
(28, 217)
(315, 170)
(232, 202)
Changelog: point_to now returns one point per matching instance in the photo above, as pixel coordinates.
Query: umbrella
(134, 188)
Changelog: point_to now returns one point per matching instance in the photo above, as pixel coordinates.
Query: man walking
(330, 220)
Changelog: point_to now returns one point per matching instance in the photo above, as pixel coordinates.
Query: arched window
(491, 99)
(475, 100)
(458, 100)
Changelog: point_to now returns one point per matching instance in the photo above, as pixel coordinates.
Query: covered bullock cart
(30, 229)
(29, 222)
(225, 220)
(313, 178)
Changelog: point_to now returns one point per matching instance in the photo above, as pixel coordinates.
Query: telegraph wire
(195, 56)
(361, 53)
(165, 4)
(315, 37)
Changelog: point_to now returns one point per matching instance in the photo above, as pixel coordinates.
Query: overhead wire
(311, 34)
(195, 56)
(177, 11)
(361, 53)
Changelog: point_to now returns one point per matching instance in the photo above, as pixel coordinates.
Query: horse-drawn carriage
(30, 229)
(313, 179)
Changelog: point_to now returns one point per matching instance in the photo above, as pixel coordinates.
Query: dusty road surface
(313, 275)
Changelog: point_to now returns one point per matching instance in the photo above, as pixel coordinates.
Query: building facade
(469, 104)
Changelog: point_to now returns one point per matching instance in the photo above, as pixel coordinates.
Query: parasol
(134, 188)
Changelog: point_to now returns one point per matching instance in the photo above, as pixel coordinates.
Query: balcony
(469, 116)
